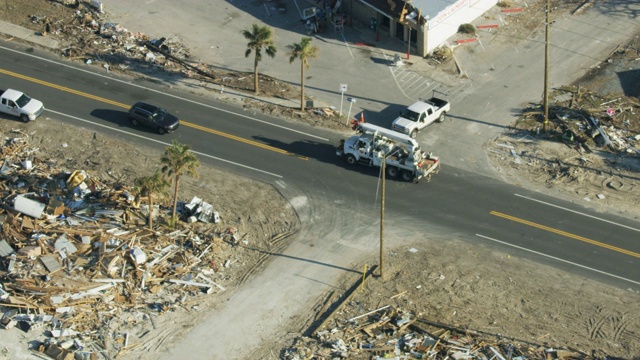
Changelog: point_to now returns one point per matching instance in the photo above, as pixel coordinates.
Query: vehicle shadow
(4, 116)
(322, 152)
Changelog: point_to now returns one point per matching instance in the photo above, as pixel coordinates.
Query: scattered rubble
(391, 331)
(591, 147)
(78, 263)
(584, 120)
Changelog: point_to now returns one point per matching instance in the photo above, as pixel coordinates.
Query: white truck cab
(17, 103)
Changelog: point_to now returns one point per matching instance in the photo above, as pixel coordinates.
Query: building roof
(429, 8)
(385, 7)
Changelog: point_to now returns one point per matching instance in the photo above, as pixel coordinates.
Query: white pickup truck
(16, 103)
(421, 114)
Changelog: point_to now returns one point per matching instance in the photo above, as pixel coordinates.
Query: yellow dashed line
(564, 233)
(125, 106)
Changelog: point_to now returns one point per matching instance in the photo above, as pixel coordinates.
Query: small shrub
(467, 29)
(504, 4)
(172, 221)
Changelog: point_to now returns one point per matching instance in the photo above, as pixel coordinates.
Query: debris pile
(585, 121)
(440, 55)
(591, 148)
(592, 130)
(393, 333)
(78, 265)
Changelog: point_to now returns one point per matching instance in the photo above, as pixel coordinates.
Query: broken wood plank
(369, 313)
(193, 283)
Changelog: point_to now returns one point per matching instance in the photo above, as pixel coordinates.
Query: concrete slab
(9, 31)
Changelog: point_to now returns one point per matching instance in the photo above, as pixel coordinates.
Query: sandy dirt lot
(466, 286)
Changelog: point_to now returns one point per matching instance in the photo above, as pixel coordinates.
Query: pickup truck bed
(436, 102)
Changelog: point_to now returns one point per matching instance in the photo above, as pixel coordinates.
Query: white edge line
(347, 45)
(298, 7)
(578, 212)
(164, 143)
(393, 75)
(167, 94)
(558, 259)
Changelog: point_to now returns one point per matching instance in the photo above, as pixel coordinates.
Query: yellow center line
(64, 88)
(564, 233)
(125, 106)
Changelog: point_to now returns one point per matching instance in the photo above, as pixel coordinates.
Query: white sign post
(351, 101)
(343, 89)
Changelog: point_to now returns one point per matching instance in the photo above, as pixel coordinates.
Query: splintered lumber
(498, 355)
(211, 282)
(367, 328)
(381, 348)
(369, 313)
(399, 294)
(193, 283)
(69, 231)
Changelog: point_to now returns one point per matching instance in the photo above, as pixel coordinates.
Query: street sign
(343, 89)
(351, 101)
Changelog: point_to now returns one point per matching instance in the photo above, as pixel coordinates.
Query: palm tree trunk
(255, 75)
(175, 198)
(150, 212)
(301, 85)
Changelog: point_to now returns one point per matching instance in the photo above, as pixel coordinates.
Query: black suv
(153, 117)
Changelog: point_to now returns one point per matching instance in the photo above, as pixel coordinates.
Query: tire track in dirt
(609, 325)
(276, 245)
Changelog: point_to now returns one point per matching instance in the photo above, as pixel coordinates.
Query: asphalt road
(304, 158)
(338, 205)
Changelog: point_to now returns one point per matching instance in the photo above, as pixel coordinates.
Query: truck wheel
(351, 159)
(413, 134)
(407, 175)
(392, 171)
(24, 118)
(443, 115)
(134, 122)
(161, 131)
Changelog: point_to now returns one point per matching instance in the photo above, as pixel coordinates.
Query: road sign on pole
(351, 101)
(343, 89)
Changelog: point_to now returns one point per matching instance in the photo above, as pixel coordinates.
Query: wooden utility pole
(545, 123)
(409, 43)
(384, 165)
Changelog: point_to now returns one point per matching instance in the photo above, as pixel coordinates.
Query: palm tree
(150, 186)
(259, 37)
(178, 159)
(303, 51)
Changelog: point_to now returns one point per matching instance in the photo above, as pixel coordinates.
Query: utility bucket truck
(404, 158)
